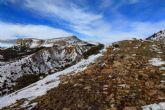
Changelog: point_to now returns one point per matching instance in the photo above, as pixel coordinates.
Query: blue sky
(94, 20)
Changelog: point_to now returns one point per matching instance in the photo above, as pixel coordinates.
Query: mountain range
(71, 74)
(38, 57)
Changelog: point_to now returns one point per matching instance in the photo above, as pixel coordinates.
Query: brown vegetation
(121, 79)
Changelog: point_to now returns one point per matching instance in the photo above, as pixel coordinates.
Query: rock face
(159, 36)
(58, 54)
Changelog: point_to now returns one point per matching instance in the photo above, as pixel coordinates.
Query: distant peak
(69, 37)
(159, 36)
(34, 42)
(73, 37)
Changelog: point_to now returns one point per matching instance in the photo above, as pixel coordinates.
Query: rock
(130, 108)
(114, 108)
(105, 92)
(66, 109)
(104, 71)
(87, 87)
(149, 84)
(152, 92)
(88, 72)
(105, 86)
(142, 102)
(117, 64)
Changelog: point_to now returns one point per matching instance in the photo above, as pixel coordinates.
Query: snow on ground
(41, 87)
(162, 81)
(156, 49)
(160, 106)
(162, 68)
(157, 61)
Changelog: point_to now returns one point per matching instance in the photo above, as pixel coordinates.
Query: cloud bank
(78, 17)
(13, 31)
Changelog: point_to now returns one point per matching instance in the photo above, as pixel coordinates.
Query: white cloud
(106, 4)
(78, 19)
(137, 30)
(12, 31)
(82, 20)
(115, 5)
(147, 28)
(67, 11)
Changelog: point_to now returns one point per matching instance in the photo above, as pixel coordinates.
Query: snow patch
(162, 68)
(162, 81)
(157, 61)
(160, 106)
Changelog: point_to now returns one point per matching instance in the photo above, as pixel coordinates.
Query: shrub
(115, 45)
(17, 52)
(93, 50)
(26, 80)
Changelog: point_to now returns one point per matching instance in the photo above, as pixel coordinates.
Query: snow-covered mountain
(33, 42)
(55, 55)
(129, 72)
(159, 36)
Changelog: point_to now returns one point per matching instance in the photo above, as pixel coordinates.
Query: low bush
(26, 80)
(93, 50)
(17, 52)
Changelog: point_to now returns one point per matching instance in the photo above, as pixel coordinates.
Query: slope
(41, 87)
(124, 78)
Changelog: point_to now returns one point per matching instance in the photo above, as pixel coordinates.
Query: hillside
(41, 87)
(128, 76)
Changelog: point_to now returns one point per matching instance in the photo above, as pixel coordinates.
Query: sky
(91, 20)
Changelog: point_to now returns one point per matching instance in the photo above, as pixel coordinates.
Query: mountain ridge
(159, 36)
(34, 42)
(30, 58)
(127, 75)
